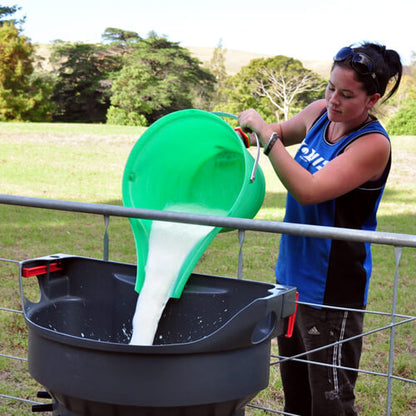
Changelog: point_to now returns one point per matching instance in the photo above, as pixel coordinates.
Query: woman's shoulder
(295, 129)
(313, 112)
(317, 107)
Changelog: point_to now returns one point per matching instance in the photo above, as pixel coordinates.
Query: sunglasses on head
(360, 62)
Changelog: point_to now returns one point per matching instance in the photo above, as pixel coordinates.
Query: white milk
(169, 245)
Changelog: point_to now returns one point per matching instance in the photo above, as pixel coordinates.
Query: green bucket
(191, 159)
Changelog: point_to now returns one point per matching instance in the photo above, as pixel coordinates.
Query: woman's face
(346, 100)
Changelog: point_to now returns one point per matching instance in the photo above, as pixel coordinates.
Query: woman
(336, 179)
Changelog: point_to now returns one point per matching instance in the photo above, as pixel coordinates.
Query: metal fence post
(397, 256)
(106, 239)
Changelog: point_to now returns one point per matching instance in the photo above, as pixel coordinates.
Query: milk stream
(169, 246)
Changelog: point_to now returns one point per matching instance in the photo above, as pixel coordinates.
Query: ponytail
(393, 63)
(388, 68)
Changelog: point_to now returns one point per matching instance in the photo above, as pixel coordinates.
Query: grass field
(85, 163)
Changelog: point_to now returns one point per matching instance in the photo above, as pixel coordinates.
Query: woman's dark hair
(387, 66)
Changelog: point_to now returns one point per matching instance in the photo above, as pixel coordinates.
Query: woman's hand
(250, 120)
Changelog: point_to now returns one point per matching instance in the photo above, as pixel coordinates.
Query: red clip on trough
(40, 270)
(291, 321)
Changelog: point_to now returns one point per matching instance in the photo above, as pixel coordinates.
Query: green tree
(253, 87)
(282, 89)
(399, 112)
(218, 69)
(6, 11)
(403, 123)
(15, 70)
(41, 90)
(24, 94)
(159, 77)
(82, 91)
(121, 41)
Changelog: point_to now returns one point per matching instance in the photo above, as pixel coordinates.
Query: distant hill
(234, 60)
(43, 53)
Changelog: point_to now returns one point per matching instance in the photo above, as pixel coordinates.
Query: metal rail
(375, 237)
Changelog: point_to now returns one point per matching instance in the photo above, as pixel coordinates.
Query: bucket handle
(256, 163)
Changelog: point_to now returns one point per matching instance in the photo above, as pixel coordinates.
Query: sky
(302, 29)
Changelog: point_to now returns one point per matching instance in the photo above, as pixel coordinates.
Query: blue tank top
(325, 271)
